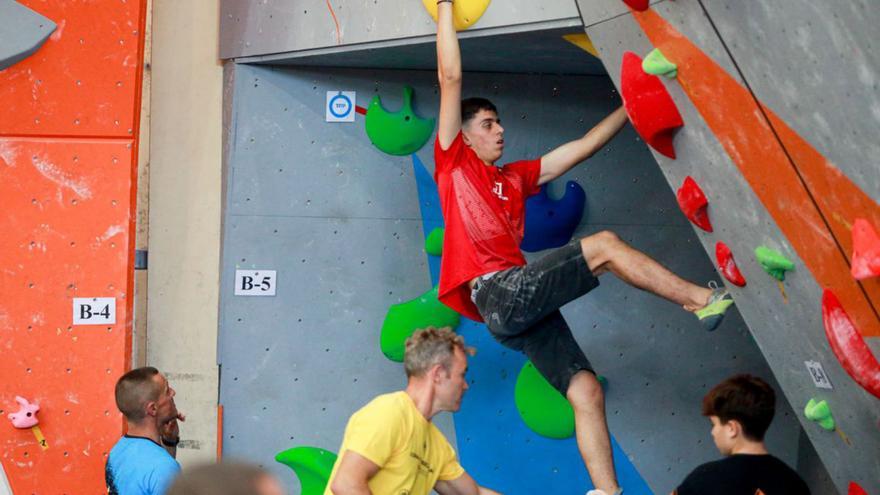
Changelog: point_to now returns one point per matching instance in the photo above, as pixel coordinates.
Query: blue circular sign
(347, 108)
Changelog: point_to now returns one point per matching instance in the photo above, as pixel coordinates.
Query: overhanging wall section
(812, 99)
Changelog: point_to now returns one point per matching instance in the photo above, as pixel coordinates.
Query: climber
(484, 275)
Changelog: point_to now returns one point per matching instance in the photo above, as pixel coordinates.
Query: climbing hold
(541, 407)
(657, 64)
(434, 242)
(551, 223)
(773, 262)
(648, 105)
(464, 12)
(603, 382)
(728, 265)
(26, 417)
(848, 345)
(820, 412)
(693, 203)
(866, 250)
(856, 489)
(582, 41)
(405, 318)
(400, 133)
(638, 5)
(24, 32)
(312, 466)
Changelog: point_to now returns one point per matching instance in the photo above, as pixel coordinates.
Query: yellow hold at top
(464, 12)
(583, 42)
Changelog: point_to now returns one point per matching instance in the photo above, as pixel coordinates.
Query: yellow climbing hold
(464, 12)
(583, 42)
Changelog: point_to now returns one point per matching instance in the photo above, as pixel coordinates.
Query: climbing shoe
(711, 314)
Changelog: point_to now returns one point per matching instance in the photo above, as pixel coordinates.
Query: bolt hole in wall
(362, 234)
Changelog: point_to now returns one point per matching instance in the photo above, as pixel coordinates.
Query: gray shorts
(520, 306)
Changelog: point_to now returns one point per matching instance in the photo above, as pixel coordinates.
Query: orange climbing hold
(693, 203)
(866, 250)
(648, 105)
(849, 346)
(728, 265)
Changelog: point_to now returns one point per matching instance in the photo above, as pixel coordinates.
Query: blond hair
(430, 346)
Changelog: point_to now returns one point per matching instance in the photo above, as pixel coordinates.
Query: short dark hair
(746, 399)
(472, 106)
(134, 389)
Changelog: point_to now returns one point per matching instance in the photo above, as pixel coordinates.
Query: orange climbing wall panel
(68, 160)
(85, 80)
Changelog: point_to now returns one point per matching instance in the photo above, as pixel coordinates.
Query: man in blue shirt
(142, 461)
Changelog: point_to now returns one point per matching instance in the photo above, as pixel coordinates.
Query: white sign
(254, 282)
(340, 106)
(94, 310)
(820, 379)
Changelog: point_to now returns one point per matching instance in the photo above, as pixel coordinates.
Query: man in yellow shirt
(390, 446)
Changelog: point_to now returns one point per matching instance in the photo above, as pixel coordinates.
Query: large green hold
(434, 242)
(773, 262)
(542, 407)
(399, 133)
(405, 318)
(312, 466)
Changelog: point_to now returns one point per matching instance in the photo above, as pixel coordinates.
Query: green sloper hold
(312, 466)
(400, 133)
(773, 262)
(657, 64)
(405, 318)
(434, 242)
(541, 407)
(820, 412)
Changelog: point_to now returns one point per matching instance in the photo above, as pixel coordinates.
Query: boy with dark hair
(741, 409)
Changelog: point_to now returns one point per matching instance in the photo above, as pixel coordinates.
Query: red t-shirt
(484, 210)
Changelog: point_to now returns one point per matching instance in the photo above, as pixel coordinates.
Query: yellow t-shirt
(411, 452)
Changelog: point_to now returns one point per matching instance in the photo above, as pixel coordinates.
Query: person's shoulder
(393, 403)
(787, 471)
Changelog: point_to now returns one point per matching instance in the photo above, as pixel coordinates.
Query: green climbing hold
(399, 133)
(405, 318)
(773, 262)
(312, 466)
(657, 64)
(434, 242)
(603, 382)
(820, 412)
(541, 407)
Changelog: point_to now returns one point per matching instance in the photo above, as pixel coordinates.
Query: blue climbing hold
(551, 223)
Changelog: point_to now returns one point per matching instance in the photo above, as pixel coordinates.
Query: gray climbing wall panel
(261, 28)
(791, 70)
(22, 30)
(339, 221)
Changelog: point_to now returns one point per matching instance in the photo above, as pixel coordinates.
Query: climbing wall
(343, 226)
(67, 163)
(774, 133)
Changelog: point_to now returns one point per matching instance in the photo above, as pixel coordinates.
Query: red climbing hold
(639, 5)
(648, 105)
(855, 489)
(728, 265)
(866, 250)
(849, 346)
(693, 203)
